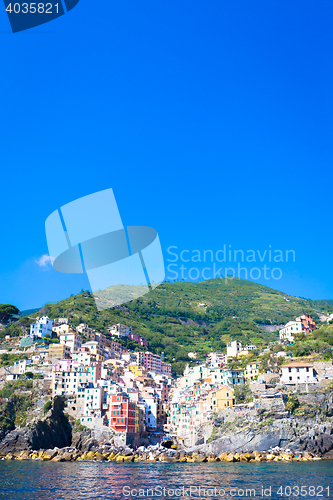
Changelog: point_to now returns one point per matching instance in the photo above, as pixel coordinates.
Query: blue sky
(211, 121)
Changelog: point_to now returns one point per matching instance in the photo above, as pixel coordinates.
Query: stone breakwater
(156, 454)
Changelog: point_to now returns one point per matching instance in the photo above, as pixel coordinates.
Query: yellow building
(60, 351)
(244, 353)
(251, 371)
(95, 349)
(138, 371)
(222, 398)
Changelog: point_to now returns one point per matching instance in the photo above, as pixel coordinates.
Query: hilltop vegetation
(177, 318)
(15, 401)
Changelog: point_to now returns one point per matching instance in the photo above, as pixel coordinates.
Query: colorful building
(71, 339)
(42, 327)
(121, 412)
(251, 371)
(60, 351)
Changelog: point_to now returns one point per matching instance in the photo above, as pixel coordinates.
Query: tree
(242, 393)
(292, 402)
(7, 311)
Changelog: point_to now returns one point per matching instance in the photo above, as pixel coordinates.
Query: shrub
(310, 347)
(292, 403)
(47, 406)
(7, 391)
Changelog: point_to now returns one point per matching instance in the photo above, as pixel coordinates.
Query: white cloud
(44, 260)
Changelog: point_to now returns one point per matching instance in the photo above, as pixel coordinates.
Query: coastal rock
(67, 457)
(284, 434)
(49, 454)
(53, 431)
(24, 455)
(84, 441)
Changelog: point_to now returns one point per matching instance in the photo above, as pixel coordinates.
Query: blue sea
(34, 480)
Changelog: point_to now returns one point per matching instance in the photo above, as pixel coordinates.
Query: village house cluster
(108, 385)
(105, 383)
(204, 390)
(303, 324)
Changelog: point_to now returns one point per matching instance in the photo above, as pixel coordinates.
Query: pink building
(138, 339)
(152, 362)
(165, 368)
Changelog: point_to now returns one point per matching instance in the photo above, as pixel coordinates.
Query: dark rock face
(318, 440)
(54, 431)
(84, 441)
(319, 444)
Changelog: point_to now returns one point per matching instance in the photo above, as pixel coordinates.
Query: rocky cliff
(285, 434)
(53, 430)
(303, 423)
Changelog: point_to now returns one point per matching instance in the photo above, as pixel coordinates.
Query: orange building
(308, 323)
(121, 412)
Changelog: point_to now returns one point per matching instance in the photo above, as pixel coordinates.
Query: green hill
(181, 317)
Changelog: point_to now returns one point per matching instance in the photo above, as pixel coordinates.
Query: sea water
(34, 480)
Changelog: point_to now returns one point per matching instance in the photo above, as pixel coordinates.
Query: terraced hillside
(181, 317)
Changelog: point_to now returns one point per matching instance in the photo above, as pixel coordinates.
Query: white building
(84, 358)
(93, 398)
(251, 347)
(42, 327)
(297, 373)
(61, 321)
(191, 375)
(289, 330)
(71, 339)
(20, 366)
(329, 318)
(234, 348)
(120, 330)
(216, 359)
(130, 357)
(63, 328)
(153, 408)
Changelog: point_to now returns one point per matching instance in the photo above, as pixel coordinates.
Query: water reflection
(36, 480)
